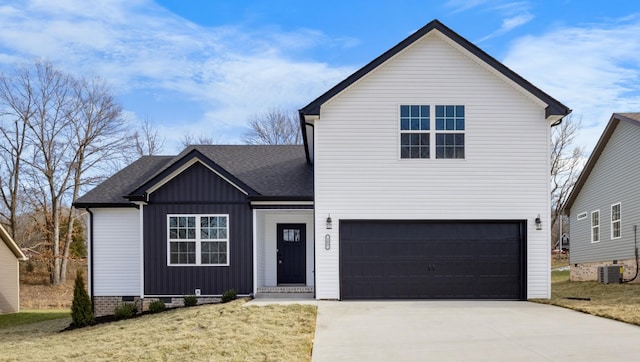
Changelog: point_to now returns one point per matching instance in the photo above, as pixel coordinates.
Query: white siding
(359, 173)
(9, 281)
(267, 243)
(116, 252)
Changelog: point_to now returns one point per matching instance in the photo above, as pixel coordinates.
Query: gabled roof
(616, 118)
(11, 244)
(111, 192)
(554, 107)
(260, 171)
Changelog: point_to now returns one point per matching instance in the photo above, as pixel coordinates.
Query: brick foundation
(106, 305)
(581, 272)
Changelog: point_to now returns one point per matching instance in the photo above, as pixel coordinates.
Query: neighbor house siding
(116, 252)
(9, 281)
(359, 173)
(198, 190)
(614, 178)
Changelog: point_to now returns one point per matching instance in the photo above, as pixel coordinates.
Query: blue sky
(205, 67)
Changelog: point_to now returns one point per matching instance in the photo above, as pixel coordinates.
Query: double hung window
(427, 130)
(198, 239)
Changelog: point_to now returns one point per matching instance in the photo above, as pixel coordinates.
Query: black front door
(291, 253)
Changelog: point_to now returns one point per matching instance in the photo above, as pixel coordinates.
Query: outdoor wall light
(538, 223)
(329, 225)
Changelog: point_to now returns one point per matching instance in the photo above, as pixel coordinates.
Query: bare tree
(16, 108)
(147, 139)
(96, 127)
(59, 132)
(566, 164)
(189, 139)
(274, 127)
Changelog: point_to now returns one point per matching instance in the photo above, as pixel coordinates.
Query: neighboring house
(423, 175)
(10, 256)
(604, 206)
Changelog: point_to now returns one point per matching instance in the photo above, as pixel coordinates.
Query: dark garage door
(432, 260)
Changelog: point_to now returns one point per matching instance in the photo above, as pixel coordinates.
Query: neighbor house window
(415, 122)
(449, 131)
(198, 239)
(616, 219)
(595, 226)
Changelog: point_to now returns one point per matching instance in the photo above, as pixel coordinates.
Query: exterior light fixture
(329, 225)
(538, 223)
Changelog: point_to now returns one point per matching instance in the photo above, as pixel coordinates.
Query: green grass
(614, 301)
(32, 316)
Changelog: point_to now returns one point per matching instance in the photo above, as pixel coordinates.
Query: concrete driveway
(467, 331)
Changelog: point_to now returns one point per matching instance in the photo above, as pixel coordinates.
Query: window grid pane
(615, 221)
(595, 226)
(449, 145)
(414, 118)
(211, 240)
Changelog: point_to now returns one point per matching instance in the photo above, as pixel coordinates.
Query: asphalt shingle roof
(272, 171)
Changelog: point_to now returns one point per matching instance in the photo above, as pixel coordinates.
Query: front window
(417, 136)
(595, 226)
(415, 122)
(616, 220)
(198, 239)
(450, 144)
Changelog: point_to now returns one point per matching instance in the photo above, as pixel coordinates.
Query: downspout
(91, 259)
(635, 246)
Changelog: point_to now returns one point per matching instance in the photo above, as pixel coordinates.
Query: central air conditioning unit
(610, 274)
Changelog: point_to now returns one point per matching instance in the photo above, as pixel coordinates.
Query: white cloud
(593, 69)
(138, 46)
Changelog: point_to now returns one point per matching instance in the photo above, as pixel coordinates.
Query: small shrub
(157, 306)
(81, 313)
(125, 311)
(190, 300)
(229, 295)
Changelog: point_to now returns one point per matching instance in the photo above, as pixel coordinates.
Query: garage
(383, 259)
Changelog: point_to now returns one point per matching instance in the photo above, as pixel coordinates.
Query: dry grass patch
(615, 301)
(211, 332)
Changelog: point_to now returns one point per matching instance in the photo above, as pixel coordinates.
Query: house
(422, 175)
(603, 206)
(10, 256)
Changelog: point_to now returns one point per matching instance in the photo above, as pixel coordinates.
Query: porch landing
(285, 291)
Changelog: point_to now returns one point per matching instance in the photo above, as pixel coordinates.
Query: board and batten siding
(614, 178)
(504, 176)
(116, 252)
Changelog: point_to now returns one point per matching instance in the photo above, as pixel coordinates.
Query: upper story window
(198, 240)
(595, 226)
(417, 123)
(616, 220)
(450, 142)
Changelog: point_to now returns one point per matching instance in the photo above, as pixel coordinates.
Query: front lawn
(210, 332)
(32, 316)
(615, 301)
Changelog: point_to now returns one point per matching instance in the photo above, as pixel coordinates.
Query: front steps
(289, 292)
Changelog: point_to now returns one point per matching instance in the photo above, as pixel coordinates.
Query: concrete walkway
(467, 331)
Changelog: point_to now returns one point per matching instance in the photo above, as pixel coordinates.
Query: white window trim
(595, 226)
(581, 216)
(619, 221)
(198, 240)
(431, 131)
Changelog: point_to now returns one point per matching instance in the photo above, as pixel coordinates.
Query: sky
(205, 67)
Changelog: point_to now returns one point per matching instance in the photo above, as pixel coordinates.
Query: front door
(291, 253)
